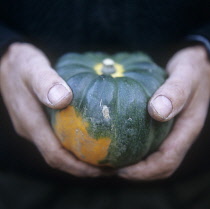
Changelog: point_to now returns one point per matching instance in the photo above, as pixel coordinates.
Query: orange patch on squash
(71, 129)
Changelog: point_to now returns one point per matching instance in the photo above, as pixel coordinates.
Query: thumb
(46, 84)
(172, 96)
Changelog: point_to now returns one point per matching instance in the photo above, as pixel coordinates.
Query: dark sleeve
(8, 36)
(201, 36)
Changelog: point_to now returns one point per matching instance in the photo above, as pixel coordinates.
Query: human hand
(186, 92)
(26, 81)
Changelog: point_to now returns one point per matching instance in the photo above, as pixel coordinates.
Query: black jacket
(154, 26)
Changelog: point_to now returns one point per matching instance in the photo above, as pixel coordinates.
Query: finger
(49, 87)
(30, 122)
(165, 161)
(54, 154)
(58, 157)
(172, 96)
(43, 81)
(37, 129)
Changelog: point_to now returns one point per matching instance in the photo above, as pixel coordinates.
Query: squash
(107, 123)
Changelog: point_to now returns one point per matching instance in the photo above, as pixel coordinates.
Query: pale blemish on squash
(119, 70)
(105, 112)
(71, 129)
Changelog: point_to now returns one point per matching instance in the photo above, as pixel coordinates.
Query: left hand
(186, 92)
(27, 82)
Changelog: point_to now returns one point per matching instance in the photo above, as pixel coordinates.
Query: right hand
(184, 94)
(26, 82)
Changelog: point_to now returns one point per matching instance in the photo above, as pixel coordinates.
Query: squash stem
(108, 67)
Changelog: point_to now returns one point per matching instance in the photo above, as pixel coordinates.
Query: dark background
(156, 27)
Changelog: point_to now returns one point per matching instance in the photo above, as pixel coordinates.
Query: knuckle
(53, 160)
(48, 152)
(178, 94)
(80, 173)
(14, 47)
(19, 130)
(14, 50)
(167, 174)
(179, 90)
(169, 169)
(162, 174)
(12, 54)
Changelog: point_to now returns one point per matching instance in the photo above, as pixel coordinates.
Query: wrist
(197, 51)
(13, 49)
(24, 53)
(196, 56)
(199, 39)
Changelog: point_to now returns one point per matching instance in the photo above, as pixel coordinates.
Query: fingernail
(57, 93)
(162, 106)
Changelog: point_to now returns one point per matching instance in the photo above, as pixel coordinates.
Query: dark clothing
(79, 25)
(156, 27)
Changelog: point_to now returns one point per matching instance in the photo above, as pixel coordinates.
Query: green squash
(107, 123)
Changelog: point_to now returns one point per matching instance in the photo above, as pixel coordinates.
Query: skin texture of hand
(26, 81)
(186, 92)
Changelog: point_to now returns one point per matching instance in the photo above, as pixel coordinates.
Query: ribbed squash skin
(107, 122)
